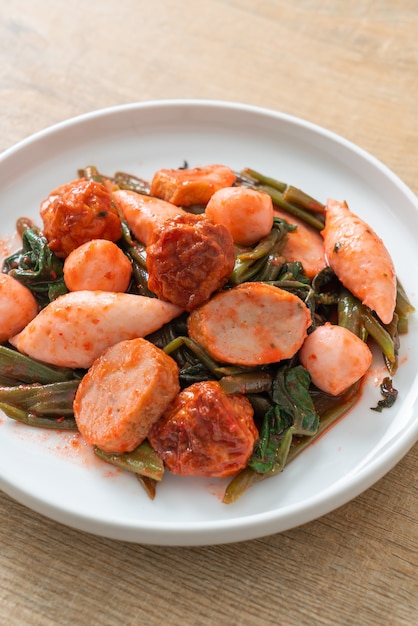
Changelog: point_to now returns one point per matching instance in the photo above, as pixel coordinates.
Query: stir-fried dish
(205, 323)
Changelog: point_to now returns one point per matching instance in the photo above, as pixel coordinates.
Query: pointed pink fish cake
(74, 329)
(360, 259)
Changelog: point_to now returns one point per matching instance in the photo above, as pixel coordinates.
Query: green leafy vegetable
(293, 413)
(37, 267)
(291, 394)
(389, 395)
(273, 445)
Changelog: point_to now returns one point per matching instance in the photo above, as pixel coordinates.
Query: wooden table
(351, 67)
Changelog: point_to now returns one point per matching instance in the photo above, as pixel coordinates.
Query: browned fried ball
(78, 212)
(188, 259)
(205, 432)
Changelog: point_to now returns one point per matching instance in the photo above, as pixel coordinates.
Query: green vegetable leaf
(293, 413)
(291, 394)
(37, 267)
(273, 445)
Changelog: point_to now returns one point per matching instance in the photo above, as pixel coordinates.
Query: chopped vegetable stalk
(305, 216)
(393, 331)
(17, 368)
(245, 479)
(358, 318)
(381, 336)
(149, 484)
(137, 252)
(246, 382)
(245, 270)
(276, 190)
(253, 175)
(128, 181)
(51, 400)
(291, 194)
(38, 421)
(92, 173)
(350, 314)
(404, 308)
(263, 247)
(272, 268)
(203, 357)
(252, 261)
(143, 460)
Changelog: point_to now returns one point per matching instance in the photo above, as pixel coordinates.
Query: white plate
(56, 475)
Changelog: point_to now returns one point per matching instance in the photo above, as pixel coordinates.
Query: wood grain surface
(351, 67)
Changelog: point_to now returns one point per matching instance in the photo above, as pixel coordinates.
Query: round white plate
(58, 476)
